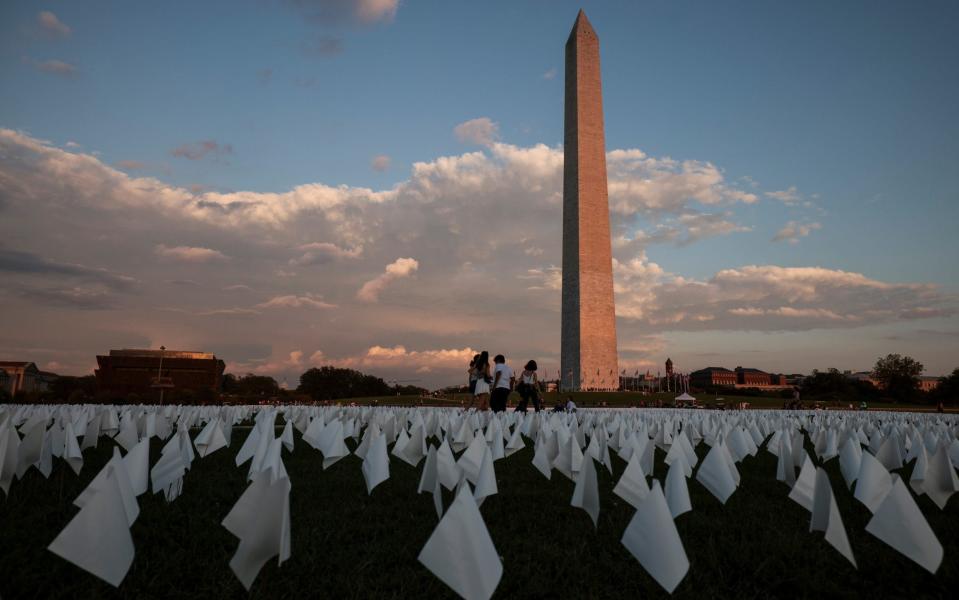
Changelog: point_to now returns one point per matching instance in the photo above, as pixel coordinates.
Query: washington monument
(588, 349)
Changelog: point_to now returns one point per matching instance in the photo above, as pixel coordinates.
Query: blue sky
(851, 105)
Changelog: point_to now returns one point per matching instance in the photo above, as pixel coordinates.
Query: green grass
(348, 544)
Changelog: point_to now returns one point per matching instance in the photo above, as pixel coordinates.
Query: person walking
(482, 374)
(528, 388)
(502, 384)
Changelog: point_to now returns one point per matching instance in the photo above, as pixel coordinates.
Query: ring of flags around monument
(458, 451)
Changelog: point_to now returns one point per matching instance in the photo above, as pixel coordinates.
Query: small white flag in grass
(114, 469)
(460, 552)
(940, 482)
(287, 436)
(850, 457)
(376, 465)
(898, 522)
(486, 481)
(71, 450)
(98, 538)
(586, 492)
(430, 482)
(261, 519)
(137, 465)
(677, 492)
(889, 453)
(632, 486)
(334, 447)
(31, 446)
(826, 517)
(652, 538)
(128, 436)
(250, 444)
(9, 451)
(446, 469)
(515, 442)
(785, 467)
(678, 455)
(210, 439)
(872, 483)
(804, 491)
(167, 474)
(541, 460)
(414, 449)
(471, 460)
(570, 458)
(715, 475)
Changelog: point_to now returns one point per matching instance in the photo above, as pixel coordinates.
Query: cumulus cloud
(550, 74)
(293, 301)
(328, 12)
(768, 298)
(398, 269)
(188, 254)
(52, 25)
(482, 131)
(489, 221)
(794, 230)
(380, 163)
(202, 149)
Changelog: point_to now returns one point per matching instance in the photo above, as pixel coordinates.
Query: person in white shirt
(502, 384)
(570, 405)
(528, 387)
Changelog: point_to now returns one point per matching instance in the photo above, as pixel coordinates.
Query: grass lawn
(347, 543)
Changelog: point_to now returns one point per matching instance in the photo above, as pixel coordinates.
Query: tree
(332, 383)
(898, 376)
(250, 385)
(948, 389)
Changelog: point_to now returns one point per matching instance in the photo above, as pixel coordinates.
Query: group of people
(491, 387)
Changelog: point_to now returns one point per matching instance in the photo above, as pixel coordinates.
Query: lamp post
(160, 373)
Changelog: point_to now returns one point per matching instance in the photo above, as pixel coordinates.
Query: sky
(377, 184)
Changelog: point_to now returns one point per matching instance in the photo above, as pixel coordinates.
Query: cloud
(321, 253)
(327, 12)
(398, 269)
(788, 196)
(550, 74)
(380, 163)
(768, 298)
(490, 222)
(50, 24)
(54, 67)
(293, 301)
(130, 165)
(482, 131)
(26, 263)
(201, 149)
(795, 230)
(188, 254)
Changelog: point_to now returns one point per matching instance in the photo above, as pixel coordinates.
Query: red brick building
(139, 372)
(712, 377)
(757, 378)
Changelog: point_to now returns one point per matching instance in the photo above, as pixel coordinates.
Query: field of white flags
(213, 501)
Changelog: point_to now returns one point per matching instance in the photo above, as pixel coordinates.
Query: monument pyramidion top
(582, 28)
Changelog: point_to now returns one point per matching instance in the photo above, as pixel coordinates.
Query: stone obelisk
(588, 349)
